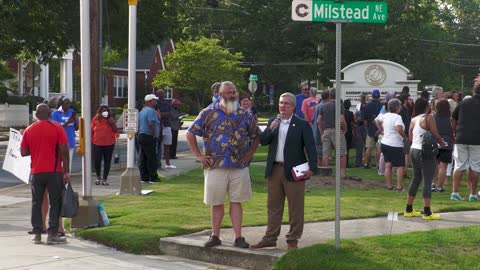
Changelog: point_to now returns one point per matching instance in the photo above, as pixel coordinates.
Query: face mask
(105, 114)
(215, 97)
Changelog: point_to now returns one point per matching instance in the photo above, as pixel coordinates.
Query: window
(120, 86)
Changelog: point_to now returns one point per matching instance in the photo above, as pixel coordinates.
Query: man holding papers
(289, 137)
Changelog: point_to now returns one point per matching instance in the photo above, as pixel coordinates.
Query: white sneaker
(170, 166)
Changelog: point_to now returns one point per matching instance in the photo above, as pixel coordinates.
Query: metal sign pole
(338, 87)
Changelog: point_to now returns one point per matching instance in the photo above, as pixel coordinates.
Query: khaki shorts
(370, 143)
(220, 181)
(328, 142)
(467, 157)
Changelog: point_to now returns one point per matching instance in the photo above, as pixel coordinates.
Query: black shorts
(394, 155)
(444, 155)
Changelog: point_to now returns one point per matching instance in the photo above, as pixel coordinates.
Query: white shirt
(390, 121)
(282, 136)
(418, 133)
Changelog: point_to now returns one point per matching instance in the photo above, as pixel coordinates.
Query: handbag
(429, 144)
(70, 202)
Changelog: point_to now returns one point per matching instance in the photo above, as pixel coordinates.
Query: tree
(35, 29)
(195, 65)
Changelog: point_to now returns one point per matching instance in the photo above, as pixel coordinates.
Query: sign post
(338, 12)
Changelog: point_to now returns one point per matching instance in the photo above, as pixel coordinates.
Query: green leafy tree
(195, 65)
(38, 28)
(5, 75)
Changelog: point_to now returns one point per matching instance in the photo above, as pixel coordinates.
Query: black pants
(53, 182)
(173, 147)
(148, 157)
(102, 153)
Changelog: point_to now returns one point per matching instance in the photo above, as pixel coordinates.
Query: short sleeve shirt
(165, 107)
(372, 110)
(327, 112)
(145, 116)
(390, 121)
(226, 137)
(298, 105)
(309, 107)
(62, 117)
(41, 139)
(467, 116)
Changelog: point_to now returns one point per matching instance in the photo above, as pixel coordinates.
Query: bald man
(45, 141)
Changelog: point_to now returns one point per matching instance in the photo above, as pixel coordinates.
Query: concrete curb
(191, 247)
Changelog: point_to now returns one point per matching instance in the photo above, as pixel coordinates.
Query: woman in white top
(423, 168)
(392, 127)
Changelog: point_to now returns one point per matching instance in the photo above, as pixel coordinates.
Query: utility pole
(87, 215)
(95, 55)
(130, 179)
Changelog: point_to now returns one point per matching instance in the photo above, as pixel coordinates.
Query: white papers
(14, 162)
(298, 170)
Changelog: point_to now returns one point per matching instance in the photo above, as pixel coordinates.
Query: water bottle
(103, 214)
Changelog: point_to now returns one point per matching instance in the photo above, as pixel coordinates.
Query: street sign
(130, 120)
(252, 86)
(253, 77)
(330, 11)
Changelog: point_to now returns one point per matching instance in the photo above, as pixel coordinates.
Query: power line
(447, 42)
(462, 65)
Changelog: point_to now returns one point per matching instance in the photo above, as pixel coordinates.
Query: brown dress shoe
(292, 244)
(264, 244)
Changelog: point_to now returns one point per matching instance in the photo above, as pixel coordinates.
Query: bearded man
(231, 136)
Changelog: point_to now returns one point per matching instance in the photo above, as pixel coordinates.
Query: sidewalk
(17, 252)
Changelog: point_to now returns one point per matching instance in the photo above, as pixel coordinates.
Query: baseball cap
(150, 97)
(376, 93)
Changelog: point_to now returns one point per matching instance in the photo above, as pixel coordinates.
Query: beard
(229, 105)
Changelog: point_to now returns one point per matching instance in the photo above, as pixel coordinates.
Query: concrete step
(191, 247)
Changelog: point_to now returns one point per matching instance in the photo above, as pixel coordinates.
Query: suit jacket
(298, 141)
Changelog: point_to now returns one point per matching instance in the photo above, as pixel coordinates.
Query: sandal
(105, 183)
(389, 188)
(399, 189)
(61, 234)
(97, 182)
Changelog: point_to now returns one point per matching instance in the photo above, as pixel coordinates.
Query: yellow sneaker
(433, 216)
(412, 214)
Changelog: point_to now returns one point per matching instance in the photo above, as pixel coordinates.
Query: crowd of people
(395, 129)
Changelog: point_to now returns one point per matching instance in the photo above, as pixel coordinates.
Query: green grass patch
(438, 249)
(176, 207)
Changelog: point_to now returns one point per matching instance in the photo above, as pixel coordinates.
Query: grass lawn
(176, 207)
(439, 249)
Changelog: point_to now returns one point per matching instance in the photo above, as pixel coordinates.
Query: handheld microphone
(279, 117)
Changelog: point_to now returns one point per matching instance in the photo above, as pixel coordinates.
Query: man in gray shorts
(326, 125)
(230, 136)
(465, 119)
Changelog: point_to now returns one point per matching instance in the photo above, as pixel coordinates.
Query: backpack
(429, 144)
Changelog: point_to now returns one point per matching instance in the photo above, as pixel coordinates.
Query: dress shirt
(282, 136)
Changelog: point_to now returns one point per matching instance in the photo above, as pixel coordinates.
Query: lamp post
(130, 179)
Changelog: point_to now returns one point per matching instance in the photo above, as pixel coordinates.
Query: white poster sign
(14, 162)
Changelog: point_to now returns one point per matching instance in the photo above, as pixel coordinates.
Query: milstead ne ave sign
(354, 12)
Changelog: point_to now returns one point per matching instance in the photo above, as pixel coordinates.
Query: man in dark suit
(289, 138)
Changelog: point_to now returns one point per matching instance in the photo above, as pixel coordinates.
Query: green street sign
(253, 77)
(330, 11)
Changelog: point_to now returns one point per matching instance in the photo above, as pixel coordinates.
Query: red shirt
(102, 132)
(42, 139)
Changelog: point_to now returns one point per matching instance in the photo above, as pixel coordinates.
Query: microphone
(279, 117)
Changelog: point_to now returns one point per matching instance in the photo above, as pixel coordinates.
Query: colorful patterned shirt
(226, 137)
